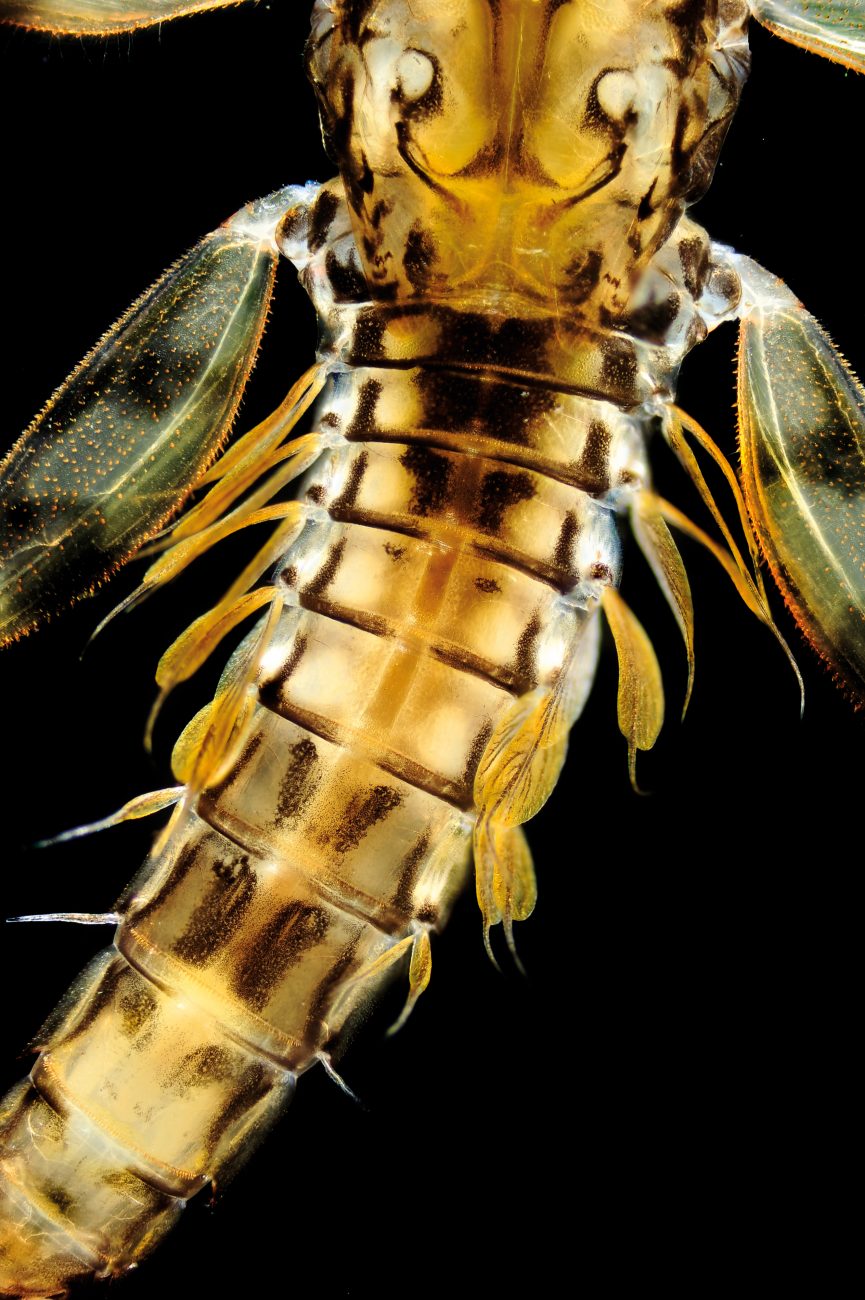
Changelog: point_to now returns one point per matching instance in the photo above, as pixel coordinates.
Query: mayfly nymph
(506, 282)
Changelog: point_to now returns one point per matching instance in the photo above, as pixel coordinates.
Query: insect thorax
(522, 158)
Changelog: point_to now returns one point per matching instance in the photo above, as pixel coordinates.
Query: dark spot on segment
(348, 497)
(419, 256)
(428, 914)
(275, 948)
(619, 368)
(514, 344)
(198, 1068)
(228, 871)
(583, 275)
(363, 426)
(601, 573)
(315, 494)
(646, 207)
(318, 585)
(364, 176)
(299, 781)
(481, 405)
(136, 1006)
(432, 473)
(593, 467)
(269, 690)
(652, 321)
(323, 996)
(563, 555)
(219, 915)
(475, 754)
(363, 811)
(323, 212)
(347, 280)
(59, 1197)
(500, 490)
(525, 668)
(353, 13)
(407, 873)
(395, 552)
(380, 210)
(694, 257)
(488, 586)
(212, 794)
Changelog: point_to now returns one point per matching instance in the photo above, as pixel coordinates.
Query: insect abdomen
(424, 596)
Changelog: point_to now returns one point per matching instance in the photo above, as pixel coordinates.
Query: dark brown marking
(326, 574)
(136, 1006)
(407, 874)
(279, 945)
(364, 810)
(322, 998)
(350, 493)
(593, 467)
(563, 555)
(347, 280)
(220, 914)
(321, 218)
(269, 691)
(601, 573)
(432, 473)
(186, 861)
(298, 783)
(488, 586)
(619, 368)
(500, 490)
(363, 425)
(419, 256)
(475, 754)
(694, 257)
(652, 321)
(247, 755)
(487, 407)
(524, 659)
(646, 206)
(395, 552)
(59, 1197)
(583, 274)
(464, 661)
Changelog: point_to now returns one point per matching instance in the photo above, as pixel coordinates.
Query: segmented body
(425, 480)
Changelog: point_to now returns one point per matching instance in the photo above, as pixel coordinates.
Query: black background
(666, 1097)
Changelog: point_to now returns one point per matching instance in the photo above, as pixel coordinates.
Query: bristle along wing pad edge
(121, 444)
(834, 29)
(802, 442)
(99, 17)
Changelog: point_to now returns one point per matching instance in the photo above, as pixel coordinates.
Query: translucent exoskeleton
(657, 915)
